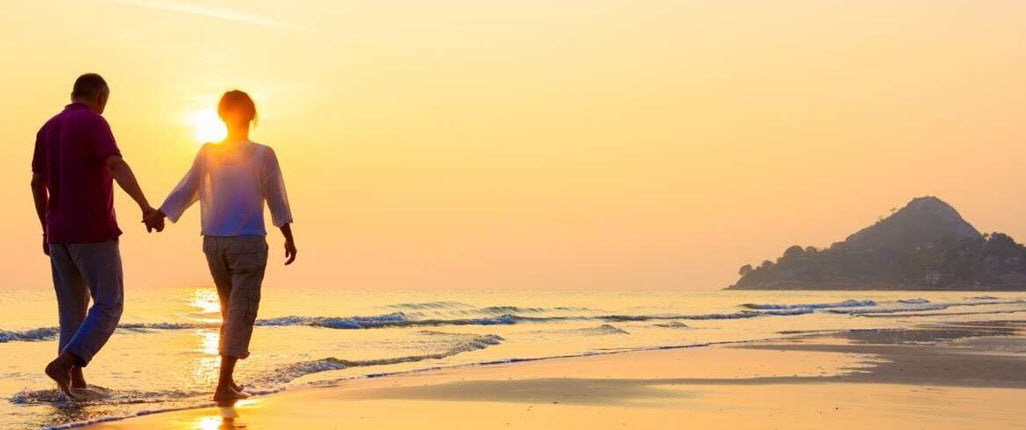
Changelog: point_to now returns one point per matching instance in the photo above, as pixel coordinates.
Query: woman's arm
(290, 244)
(274, 191)
(278, 203)
(184, 194)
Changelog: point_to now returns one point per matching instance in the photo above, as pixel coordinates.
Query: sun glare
(207, 126)
(205, 301)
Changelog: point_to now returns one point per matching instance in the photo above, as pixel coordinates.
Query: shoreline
(978, 362)
(319, 385)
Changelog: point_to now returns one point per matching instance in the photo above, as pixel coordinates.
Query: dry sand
(970, 376)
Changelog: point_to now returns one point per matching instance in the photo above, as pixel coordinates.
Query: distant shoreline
(877, 289)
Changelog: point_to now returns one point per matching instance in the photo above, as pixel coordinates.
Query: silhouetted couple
(75, 162)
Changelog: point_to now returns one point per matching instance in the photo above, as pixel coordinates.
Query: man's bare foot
(60, 371)
(78, 378)
(237, 387)
(227, 396)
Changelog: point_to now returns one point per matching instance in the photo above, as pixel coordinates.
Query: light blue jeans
(84, 271)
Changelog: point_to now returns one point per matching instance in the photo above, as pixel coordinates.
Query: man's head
(90, 89)
(237, 109)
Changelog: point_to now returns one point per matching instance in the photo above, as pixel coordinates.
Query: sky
(534, 145)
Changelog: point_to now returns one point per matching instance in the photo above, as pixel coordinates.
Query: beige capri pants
(237, 264)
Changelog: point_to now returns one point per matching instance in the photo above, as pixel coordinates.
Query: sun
(207, 126)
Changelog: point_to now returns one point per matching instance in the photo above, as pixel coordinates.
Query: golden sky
(538, 144)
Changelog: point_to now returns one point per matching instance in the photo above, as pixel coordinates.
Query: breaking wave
(399, 319)
(844, 304)
(28, 335)
(918, 306)
(509, 315)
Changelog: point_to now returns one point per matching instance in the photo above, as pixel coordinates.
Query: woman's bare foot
(60, 371)
(227, 396)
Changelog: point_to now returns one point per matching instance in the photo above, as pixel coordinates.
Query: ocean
(164, 355)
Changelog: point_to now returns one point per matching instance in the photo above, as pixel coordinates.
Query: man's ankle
(70, 360)
(65, 360)
(78, 378)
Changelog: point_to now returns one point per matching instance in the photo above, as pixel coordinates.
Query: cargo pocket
(252, 304)
(248, 256)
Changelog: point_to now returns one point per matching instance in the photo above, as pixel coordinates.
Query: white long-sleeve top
(231, 182)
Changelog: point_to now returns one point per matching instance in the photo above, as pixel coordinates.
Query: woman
(232, 180)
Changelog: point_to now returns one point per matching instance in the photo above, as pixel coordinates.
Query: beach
(937, 376)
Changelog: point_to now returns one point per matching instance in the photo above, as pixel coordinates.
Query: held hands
(154, 220)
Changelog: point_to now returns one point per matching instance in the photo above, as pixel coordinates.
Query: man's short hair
(89, 86)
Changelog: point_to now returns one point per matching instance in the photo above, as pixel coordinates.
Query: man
(75, 161)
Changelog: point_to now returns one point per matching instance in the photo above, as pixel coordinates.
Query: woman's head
(236, 109)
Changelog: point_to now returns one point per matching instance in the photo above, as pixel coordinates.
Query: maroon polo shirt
(71, 154)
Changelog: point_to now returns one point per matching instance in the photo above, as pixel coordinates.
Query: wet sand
(933, 377)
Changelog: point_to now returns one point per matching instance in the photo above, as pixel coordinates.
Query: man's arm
(42, 200)
(122, 173)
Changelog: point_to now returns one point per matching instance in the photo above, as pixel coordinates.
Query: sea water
(164, 355)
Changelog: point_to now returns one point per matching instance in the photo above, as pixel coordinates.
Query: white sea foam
(298, 370)
(921, 305)
(43, 333)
